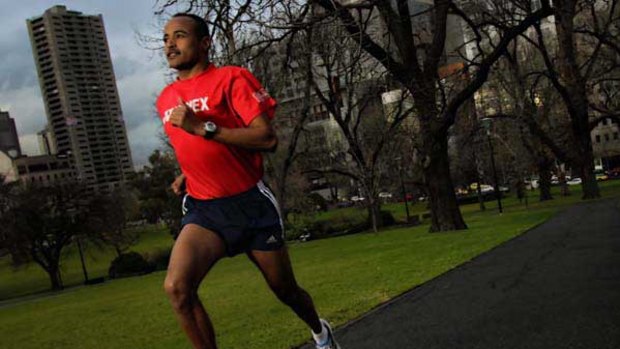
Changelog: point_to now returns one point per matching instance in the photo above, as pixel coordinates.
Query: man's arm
(177, 184)
(258, 135)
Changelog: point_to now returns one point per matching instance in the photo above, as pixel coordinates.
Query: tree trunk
(564, 189)
(478, 189)
(55, 280)
(374, 213)
(575, 95)
(544, 182)
(585, 162)
(589, 185)
(445, 212)
(479, 193)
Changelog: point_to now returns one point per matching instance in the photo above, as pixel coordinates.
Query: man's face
(182, 46)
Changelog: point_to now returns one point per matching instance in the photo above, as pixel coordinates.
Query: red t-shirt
(231, 97)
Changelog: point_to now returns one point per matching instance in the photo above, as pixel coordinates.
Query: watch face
(210, 126)
(210, 129)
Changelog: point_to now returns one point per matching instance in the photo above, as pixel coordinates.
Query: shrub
(129, 264)
(297, 225)
(318, 202)
(336, 225)
(159, 258)
(387, 218)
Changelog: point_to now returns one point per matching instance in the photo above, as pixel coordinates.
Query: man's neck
(193, 71)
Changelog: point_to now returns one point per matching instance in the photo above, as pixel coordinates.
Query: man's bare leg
(278, 272)
(195, 251)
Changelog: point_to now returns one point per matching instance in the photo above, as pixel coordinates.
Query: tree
(348, 83)
(157, 201)
(536, 106)
(110, 214)
(413, 55)
(41, 221)
(569, 70)
(415, 63)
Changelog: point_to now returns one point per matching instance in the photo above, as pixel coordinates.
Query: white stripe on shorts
(269, 195)
(183, 208)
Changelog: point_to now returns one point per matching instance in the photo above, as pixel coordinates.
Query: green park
(442, 174)
(347, 275)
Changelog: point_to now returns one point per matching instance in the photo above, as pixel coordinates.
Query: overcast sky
(140, 73)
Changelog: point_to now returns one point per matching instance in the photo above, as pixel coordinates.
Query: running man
(218, 121)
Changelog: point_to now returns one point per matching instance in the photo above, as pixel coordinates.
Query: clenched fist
(182, 116)
(178, 184)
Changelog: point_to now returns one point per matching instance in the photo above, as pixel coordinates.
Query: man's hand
(182, 116)
(177, 185)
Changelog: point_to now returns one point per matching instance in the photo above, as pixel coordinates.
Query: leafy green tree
(157, 201)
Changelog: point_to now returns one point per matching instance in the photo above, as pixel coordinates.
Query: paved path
(557, 286)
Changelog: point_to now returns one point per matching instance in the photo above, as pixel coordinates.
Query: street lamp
(72, 213)
(402, 185)
(486, 122)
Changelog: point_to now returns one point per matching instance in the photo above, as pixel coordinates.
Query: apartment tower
(9, 142)
(78, 87)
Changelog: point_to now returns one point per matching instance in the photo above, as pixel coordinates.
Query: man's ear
(205, 43)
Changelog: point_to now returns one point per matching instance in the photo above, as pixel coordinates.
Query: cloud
(143, 140)
(25, 105)
(138, 90)
(139, 72)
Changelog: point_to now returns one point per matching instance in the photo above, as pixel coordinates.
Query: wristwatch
(210, 129)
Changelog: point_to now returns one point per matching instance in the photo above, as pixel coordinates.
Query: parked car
(601, 177)
(357, 198)
(342, 204)
(385, 195)
(485, 188)
(574, 181)
(614, 173)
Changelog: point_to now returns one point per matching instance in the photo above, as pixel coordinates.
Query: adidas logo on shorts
(272, 240)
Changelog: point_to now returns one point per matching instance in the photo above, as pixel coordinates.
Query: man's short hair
(202, 29)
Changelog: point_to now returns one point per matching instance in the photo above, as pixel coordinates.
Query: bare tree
(415, 63)
(41, 221)
(534, 103)
(348, 83)
(575, 54)
(110, 214)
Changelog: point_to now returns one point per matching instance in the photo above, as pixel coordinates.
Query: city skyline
(140, 72)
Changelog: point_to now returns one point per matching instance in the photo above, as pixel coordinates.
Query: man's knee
(290, 294)
(181, 295)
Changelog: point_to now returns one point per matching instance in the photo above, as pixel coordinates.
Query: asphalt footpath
(556, 286)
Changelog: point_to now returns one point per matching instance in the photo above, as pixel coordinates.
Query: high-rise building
(79, 91)
(9, 142)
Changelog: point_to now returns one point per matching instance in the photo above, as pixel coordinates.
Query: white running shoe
(330, 343)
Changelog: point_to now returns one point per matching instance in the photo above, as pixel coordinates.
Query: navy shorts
(247, 221)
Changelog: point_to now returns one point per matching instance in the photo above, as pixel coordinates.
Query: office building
(9, 142)
(81, 100)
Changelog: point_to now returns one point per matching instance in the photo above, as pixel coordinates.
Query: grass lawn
(31, 278)
(347, 276)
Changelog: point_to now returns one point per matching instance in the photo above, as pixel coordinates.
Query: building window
(615, 135)
(598, 138)
(606, 137)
